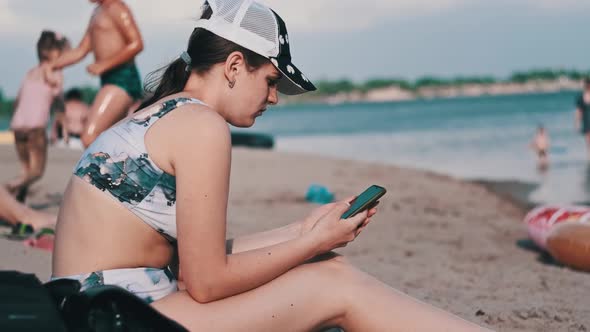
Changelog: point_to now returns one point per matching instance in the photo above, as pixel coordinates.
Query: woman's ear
(234, 63)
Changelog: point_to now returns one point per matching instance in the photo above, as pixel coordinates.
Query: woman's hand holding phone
(329, 230)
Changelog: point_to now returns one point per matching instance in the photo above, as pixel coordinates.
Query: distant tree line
(330, 87)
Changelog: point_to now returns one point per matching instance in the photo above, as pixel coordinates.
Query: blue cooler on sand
(319, 194)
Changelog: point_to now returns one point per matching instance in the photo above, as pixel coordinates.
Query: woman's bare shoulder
(194, 125)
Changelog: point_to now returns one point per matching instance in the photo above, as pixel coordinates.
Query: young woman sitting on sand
(160, 179)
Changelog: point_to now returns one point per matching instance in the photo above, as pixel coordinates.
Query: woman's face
(253, 92)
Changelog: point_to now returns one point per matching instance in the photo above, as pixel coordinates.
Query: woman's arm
(126, 25)
(278, 235)
(201, 157)
(263, 239)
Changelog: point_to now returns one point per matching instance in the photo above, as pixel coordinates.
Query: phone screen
(364, 200)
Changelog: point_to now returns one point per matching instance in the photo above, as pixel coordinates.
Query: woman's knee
(332, 267)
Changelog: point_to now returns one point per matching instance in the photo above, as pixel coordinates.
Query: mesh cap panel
(260, 21)
(228, 9)
(256, 27)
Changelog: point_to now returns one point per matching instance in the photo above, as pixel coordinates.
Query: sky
(334, 39)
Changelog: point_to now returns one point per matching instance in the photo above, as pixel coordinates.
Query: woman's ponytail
(205, 49)
(172, 81)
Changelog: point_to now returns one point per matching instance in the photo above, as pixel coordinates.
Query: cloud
(340, 15)
(9, 18)
(559, 5)
(28, 18)
(20, 17)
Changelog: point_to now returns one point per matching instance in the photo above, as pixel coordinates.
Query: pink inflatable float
(564, 231)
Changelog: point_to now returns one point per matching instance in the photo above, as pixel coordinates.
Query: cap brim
(293, 82)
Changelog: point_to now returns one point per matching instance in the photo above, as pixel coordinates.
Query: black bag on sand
(28, 305)
(25, 305)
(108, 309)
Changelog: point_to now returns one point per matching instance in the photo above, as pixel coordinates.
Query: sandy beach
(451, 243)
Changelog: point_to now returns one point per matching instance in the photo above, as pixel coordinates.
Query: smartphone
(365, 200)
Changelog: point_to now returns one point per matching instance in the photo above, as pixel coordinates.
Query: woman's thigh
(305, 298)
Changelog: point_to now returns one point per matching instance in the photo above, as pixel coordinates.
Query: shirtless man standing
(115, 40)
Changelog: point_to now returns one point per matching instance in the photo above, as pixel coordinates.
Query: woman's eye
(272, 82)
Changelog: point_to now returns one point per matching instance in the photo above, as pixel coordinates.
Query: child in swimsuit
(114, 39)
(31, 114)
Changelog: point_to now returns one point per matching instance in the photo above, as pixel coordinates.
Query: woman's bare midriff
(95, 232)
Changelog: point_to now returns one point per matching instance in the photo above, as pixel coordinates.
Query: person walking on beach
(31, 114)
(115, 40)
(159, 180)
(540, 144)
(583, 113)
(70, 123)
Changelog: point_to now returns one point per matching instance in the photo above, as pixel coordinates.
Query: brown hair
(48, 41)
(205, 49)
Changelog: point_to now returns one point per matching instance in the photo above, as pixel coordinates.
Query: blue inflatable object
(319, 194)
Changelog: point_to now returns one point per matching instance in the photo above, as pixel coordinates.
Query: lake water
(472, 138)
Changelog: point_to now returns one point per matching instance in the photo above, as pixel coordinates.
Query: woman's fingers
(372, 212)
(357, 220)
(349, 199)
(362, 226)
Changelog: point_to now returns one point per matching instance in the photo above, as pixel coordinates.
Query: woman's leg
(14, 212)
(313, 296)
(110, 105)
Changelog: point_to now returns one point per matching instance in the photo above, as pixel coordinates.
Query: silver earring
(231, 84)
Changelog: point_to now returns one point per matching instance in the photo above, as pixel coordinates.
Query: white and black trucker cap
(258, 28)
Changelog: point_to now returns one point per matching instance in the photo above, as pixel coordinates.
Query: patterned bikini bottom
(149, 284)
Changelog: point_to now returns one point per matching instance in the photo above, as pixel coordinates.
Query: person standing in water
(583, 113)
(540, 144)
(114, 38)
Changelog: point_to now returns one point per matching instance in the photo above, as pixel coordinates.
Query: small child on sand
(540, 144)
(31, 114)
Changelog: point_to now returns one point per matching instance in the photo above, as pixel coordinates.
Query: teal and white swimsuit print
(117, 163)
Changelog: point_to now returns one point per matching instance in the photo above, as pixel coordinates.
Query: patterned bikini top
(117, 162)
